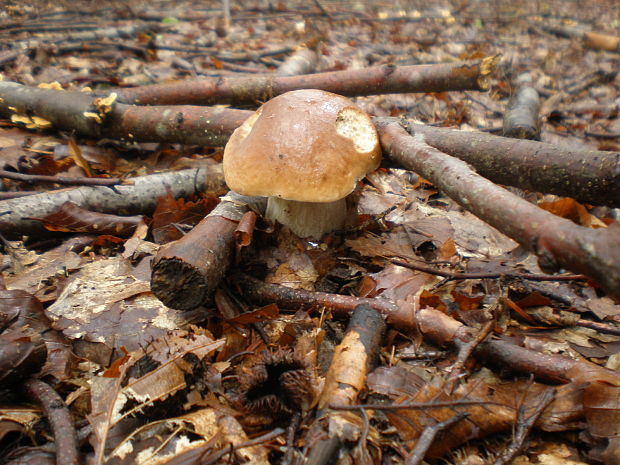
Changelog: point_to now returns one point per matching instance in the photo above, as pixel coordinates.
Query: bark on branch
(78, 112)
(588, 176)
(471, 75)
(187, 271)
(558, 242)
(140, 197)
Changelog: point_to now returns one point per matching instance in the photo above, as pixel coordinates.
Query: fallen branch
(441, 329)
(78, 112)
(187, 271)
(303, 61)
(558, 242)
(428, 436)
(521, 119)
(287, 297)
(60, 420)
(83, 181)
(437, 328)
(141, 197)
(588, 176)
(353, 359)
(473, 75)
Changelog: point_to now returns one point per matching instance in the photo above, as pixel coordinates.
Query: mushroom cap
(305, 145)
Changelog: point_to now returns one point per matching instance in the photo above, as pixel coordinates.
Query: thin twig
(410, 405)
(428, 435)
(60, 421)
(290, 438)
(213, 458)
(81, 181)
(450, 275)
(464, 354)
(524, 426)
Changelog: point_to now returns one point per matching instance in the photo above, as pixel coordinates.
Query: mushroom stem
(308, 219)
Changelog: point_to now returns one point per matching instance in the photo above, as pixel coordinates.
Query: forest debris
(521, 120)
(27, 341)
(125, 390)
(303, 61)
(588, 176)
(72, 218)
(597, 41)
(140, 197)
(104, 302)
(353, 359)
(84, 181)
(524, 426)
(65, 110)
(471, 75)
(587, 251)
(187, 271)
(416, 456)
(441, 329)
(293, 298)
(277, 384)
(60, 420)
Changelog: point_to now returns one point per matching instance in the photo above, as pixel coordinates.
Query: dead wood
(598, 41)
(589, 176)
(83, 181)
(287, 297)
(187, 271)
(437, 328)
(303, 61)
(524, 426)
(441, 329)
(428, 436)
(558, 242)
(472, 75)
(140, 197)
(521, 119)
(353, 359)
(78, 111)
(60, 420)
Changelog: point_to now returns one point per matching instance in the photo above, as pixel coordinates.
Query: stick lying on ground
(521, 119)
(558, 242)
(187, 271)
(587, 175)
(353, 359)
(437, 328)
(140, 197)
(471, 75)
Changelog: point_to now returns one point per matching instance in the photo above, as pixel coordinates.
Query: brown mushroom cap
(305, 145)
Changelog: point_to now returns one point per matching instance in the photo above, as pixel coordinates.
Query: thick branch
(141, 197)
(558, 242)
(589, 176)
(187, 271)
(473, 75)
(76, 111)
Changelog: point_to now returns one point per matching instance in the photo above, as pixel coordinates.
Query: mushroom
(305, 150)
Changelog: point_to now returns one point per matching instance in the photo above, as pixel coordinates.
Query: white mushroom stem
(309, 220)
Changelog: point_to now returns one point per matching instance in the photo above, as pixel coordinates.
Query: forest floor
(517, 349)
